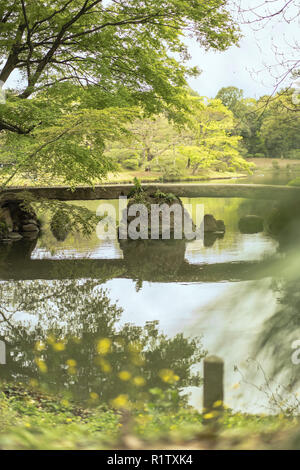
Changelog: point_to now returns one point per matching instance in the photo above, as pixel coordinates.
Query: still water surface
(219, 291)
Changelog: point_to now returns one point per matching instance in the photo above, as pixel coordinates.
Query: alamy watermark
(154, 222)
(2, 353)
(296, 354)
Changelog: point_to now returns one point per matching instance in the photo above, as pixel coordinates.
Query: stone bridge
(113, 191)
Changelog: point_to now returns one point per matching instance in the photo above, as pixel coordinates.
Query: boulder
(14, 236)
(33, 221)
(16, 217)
(251, 224)
(212, 225)
(30, 228)
(178, 223)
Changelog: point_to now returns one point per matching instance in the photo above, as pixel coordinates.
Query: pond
(65, 305)
(280, 177)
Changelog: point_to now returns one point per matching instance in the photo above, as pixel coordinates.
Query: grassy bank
(127, 176)
(30, 419)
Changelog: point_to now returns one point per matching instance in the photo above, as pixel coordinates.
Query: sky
(246, 66)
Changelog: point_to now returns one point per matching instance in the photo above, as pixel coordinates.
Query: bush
(131, 164)
(259, 155)
(171, 174)
(293, 154)
(275, 165)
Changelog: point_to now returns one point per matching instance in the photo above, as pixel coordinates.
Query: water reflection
(225, 290)
(66, 336)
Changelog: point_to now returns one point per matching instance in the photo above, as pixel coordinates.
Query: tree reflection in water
(67, 336)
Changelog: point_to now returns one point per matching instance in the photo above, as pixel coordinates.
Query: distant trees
(206, 141)
(270, 126)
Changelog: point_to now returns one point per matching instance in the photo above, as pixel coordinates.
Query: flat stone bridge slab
(113, 191)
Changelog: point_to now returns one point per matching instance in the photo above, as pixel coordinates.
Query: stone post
(213, 391)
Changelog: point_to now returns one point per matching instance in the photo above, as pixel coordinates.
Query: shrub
(60, 225)
(171, 174)
(131, 164)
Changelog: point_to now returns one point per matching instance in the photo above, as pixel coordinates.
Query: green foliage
(131, 164)
(212, 144)
(281, 125)
(137, 189)
(170, 197)
(60, 224)
(269, 126)
(34, 420)
(3, 229)
(293, 154)
(78, 218)
(84, 82)
(171, 173)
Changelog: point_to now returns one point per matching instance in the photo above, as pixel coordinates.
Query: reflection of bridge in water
(152, 260)
(109, 269)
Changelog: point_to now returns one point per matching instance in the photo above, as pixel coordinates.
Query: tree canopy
(84, 65)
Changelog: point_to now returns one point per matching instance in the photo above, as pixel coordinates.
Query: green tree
(212, 144)
(83, 63)
(248, 120)
(280, 128)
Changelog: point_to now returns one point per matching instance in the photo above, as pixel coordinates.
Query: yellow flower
(69, 420)
(168, 376)
(27, 425)
(59, 346)
(71, 363)
(103, 346)
(94, 396)
(218, 404)
(139, 381)
(41, 365)
(208, 416)
(39, 346)
(120, 402)
(125, 375)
